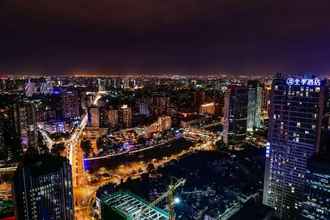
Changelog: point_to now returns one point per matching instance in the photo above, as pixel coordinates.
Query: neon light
(267, 149)
(303, 82)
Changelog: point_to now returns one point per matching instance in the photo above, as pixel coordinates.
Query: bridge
(129, 206)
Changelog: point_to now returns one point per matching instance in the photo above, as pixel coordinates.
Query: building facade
(235, 113)
(293, 138)
(125, 116)
(27, 125)
(43, 188)
(316, 202)
(254, 106)
(94, 117)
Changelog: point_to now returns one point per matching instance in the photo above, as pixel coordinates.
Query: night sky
(235, 36)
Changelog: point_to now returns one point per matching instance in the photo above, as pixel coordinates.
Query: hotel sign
(303, 82)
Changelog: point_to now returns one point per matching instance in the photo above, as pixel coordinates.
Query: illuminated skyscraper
(43, 188)
(235, 113)
(294, 136)
(125, 116)
(29, 88)
(265, 106)
(160, 105)
(10, 148)
(199, 99)
(254, 105)
(143, 107)
(28, 124)
(316, 202)
(113, 118)
(71, 104)
(94, 117)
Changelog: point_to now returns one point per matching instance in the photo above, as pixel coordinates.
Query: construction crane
(170, 200)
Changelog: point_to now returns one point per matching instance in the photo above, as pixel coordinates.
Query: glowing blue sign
(267, 149)
(303, 82)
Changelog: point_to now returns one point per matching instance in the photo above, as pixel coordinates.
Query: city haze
(157, 37)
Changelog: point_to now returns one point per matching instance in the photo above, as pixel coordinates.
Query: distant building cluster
(287, 115)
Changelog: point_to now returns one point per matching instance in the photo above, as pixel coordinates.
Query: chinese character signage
(303, 82)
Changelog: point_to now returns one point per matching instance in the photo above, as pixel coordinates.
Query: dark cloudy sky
(165, 35)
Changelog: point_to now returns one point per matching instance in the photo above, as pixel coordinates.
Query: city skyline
(230, 146)
(164, 110)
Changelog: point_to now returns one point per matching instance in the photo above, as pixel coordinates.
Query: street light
(177, 200)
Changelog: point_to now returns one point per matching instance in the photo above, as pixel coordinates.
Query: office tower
(235, 113)
(325, 129)
(125, 116)
(254, 106)
(71, 105)
(46, 87)
(2, 84)
(10, 147)
(316, 201)
(160, 105)
(199, 99)
(65, 104)
(28, 124)
(104, 119)
(113, 118)
(93, 117)
(43, 188)
(294, 135)
(29, 88)
(265, 107)
(143, 107)
(3, 153)
(101, 84)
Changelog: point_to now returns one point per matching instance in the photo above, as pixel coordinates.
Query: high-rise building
(28, 125)
(10, 148)
(254, 106)
(143, 107)
(265, 106)
(43, 188)
(113, 118)
(71, 105)
(294, 135)
(3, 151)
(104, 119)
(30, 88)
(235, 113)
(199, 99)
(94, 117)
(316, 202)
(160, 105)
(125, 116)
